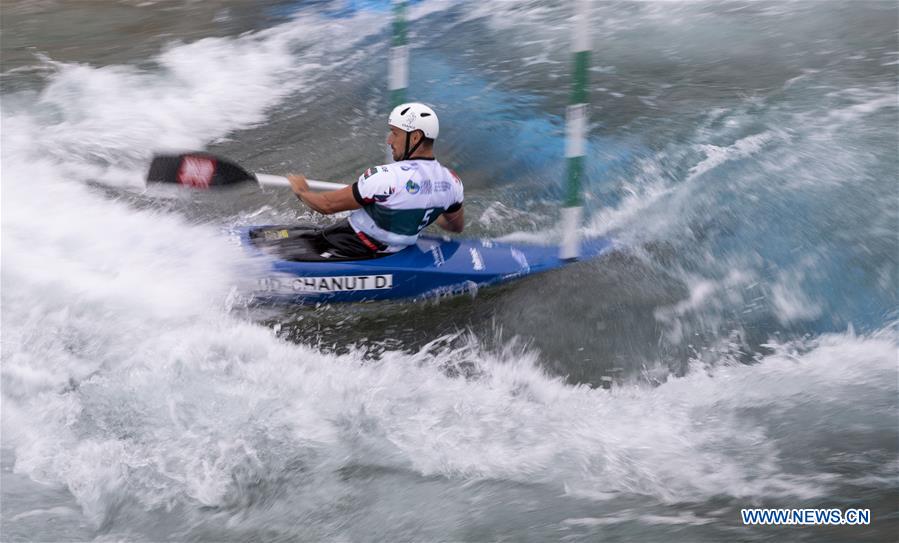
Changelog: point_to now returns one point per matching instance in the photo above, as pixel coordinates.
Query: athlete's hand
(298, 183)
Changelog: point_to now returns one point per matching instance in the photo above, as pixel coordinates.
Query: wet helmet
(414, 116)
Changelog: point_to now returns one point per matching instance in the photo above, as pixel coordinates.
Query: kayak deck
(433, 266)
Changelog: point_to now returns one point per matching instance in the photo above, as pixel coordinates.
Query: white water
(92, 286)
(130, 374)
(125, 376)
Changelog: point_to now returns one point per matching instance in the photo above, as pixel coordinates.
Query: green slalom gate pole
(576, 135)
(398, 71)
(398, 68)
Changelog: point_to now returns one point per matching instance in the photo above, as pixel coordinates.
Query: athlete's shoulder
(454, 175)
(451, 173)
(455, 183)
(376, 184)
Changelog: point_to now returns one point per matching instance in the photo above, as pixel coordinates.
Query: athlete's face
(396, 140)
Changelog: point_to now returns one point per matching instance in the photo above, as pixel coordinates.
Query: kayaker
(392, 203)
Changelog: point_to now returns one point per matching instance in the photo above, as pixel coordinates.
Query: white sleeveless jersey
(399, 200)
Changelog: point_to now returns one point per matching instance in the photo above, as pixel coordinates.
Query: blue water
(743, 154)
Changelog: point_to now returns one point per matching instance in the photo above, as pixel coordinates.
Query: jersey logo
(384, 197)
(412, 187)
(369, 172)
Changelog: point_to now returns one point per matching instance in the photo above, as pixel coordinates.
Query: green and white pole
(576, 136)
(398, 69)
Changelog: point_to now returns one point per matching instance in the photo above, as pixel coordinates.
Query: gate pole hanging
(576, 135)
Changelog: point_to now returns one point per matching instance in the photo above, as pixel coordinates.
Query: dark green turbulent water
(743, 154)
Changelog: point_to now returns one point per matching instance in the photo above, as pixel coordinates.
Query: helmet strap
(408, 152)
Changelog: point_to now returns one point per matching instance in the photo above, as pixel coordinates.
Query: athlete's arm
(452, 221)
(326, 203)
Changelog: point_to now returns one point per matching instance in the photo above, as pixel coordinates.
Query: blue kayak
(434, 266)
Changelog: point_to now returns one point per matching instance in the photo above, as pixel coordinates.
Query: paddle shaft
(267, 180)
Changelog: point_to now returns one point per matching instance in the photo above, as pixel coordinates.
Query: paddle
(205, 170)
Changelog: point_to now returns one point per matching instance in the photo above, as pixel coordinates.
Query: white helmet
(415, 116)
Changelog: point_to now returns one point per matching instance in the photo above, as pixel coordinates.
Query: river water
(743, 155)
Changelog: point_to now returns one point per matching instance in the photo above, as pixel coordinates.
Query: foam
(196, 93)
(127, 378)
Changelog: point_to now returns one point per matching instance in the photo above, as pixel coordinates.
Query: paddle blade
(196, 170)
